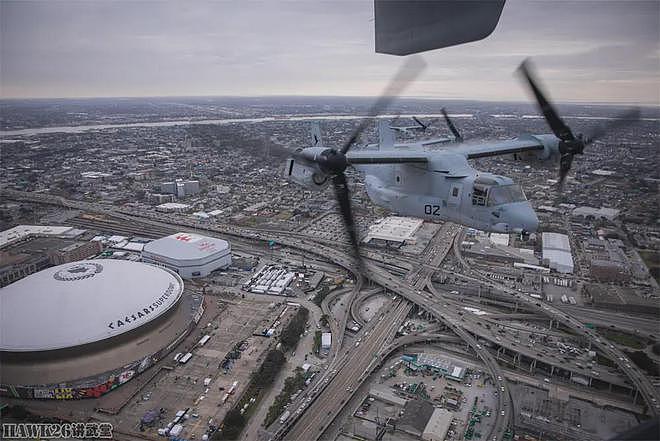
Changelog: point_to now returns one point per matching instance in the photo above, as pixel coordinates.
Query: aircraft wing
(427, 142)
(385, 157)
(406, 27)
(498, 148)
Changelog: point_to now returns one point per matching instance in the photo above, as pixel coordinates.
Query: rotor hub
(572, 146)
(332, 162)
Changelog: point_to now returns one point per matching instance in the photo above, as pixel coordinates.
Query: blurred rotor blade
(451, 125)
(565, 163)
(421, 124)
(628, 117)
(559, 128)
(406, 74)
(344, 200)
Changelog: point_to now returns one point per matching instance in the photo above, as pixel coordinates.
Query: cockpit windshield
(505, 194)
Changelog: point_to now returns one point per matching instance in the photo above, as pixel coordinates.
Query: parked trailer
(204, 339)
(580, 380)
(185, 358)
(284, 417)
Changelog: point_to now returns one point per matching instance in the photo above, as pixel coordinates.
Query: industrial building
(189, 255)
(438, 425)
(270, 279)
(496, 252)
(393, 229)
(81, 329)
(435, 364)
(557, 252)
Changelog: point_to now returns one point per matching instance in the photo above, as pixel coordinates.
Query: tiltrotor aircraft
(440, 184)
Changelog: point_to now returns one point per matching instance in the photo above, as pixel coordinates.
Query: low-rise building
(75, 251)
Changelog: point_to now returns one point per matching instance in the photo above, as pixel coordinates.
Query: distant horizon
(365, 97)
(597, 52)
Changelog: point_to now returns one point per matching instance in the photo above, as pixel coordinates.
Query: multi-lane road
(350, 369)
(640, 380)
(353, 367)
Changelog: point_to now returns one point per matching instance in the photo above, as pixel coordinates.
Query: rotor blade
(406, 74)
(421, 124)
(344, 200)
(565, 163)
(451, 125)
(559, 128)
(628, 117)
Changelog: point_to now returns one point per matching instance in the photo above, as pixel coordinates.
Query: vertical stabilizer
(315, 132)
(385, 135)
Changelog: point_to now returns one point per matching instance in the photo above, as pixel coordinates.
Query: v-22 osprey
(440, 184)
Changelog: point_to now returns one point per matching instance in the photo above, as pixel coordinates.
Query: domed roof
(83, 302)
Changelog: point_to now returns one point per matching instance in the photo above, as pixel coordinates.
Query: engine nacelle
(305, 174)
(550, 147)
(549, 153)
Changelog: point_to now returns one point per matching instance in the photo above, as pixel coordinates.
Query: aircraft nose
(523, 217)
(528, 219)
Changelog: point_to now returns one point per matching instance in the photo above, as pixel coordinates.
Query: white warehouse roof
(187, 246)
(557, 251)
(438, 425)
(394, 228)
(83, 302)
(556, 241)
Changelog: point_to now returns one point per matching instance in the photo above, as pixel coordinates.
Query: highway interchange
(351, 366)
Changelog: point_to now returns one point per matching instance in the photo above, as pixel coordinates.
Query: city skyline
(601, 52)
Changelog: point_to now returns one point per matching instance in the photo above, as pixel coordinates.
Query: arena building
(81, 329)
(189, 255)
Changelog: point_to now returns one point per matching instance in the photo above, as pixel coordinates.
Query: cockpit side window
(480, 190)
(479, 194)
(505, 194)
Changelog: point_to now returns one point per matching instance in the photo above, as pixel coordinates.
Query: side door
(455, 195)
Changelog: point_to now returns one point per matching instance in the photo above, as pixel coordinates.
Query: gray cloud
(585, 51)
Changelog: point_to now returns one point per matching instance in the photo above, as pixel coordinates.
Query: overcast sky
(602, 51)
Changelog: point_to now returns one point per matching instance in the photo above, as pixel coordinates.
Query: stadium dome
(189, 255)
(82, 329)
(83, 302)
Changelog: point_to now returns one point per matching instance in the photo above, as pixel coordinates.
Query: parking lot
(183, 387)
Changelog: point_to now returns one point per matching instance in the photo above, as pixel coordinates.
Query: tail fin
(315, 132)
(385, 135)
